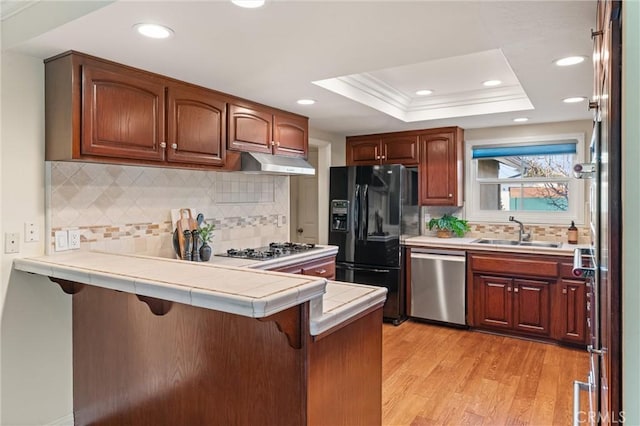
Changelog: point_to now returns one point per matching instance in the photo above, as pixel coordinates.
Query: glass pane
(547, 196)
(518, 167)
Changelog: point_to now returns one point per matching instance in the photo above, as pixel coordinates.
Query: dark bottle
(572, 234)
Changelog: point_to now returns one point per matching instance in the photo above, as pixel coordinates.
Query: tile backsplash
(128, 208)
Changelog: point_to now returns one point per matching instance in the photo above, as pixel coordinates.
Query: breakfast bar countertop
(243, 289)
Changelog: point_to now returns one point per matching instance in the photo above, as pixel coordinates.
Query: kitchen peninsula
(160, 341)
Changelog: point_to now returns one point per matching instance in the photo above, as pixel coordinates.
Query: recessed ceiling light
(520, 119)
(249, 4)
(153, 30)
(306, 101)
(424, 92)
(569, 60)
(574, 99)
(491, 83)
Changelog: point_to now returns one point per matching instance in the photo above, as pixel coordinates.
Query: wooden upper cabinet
(363, 151)
(441, 168)
(122, 114)
(382, 149)
(400, 150)
(291, 135)
(256, 129)
(101, 111)
(250, 129)
(196, 124)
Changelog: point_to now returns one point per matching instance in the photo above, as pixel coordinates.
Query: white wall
(35, 343)
(631, 207)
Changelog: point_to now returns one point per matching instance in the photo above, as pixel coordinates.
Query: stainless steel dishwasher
(438, 290)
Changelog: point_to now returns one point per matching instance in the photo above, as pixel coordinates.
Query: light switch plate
(61, 241)
(12, 242)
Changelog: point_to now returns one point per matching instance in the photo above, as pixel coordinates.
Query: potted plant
(205, 231)
(448, 224)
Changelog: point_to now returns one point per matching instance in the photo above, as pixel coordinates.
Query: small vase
(443, 234)
(205, 252)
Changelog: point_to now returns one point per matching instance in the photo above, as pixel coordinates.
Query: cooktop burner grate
(272, 251)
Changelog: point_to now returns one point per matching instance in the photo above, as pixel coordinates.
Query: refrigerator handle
(577, 387)
(356, 212)
(365, 227)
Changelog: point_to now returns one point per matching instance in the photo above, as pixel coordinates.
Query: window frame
(577, 187)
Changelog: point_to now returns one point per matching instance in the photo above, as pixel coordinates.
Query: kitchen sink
(499, 242)
(547, 244)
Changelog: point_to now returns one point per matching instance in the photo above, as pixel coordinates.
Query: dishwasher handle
(457, 257)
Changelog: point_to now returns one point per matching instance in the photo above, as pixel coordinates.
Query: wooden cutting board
(185, 222)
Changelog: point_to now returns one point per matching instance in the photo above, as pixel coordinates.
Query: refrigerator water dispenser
(340, 215)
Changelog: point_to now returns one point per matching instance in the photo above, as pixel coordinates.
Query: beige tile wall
(127, 208)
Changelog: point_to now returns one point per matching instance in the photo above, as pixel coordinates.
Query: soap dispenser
(572, 234)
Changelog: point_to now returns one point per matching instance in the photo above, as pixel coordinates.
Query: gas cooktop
(272, 251)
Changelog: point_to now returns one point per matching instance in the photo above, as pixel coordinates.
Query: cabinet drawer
(326, 268)
(515, 266)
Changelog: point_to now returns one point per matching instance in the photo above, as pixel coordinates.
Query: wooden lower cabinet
(184, 365)
(324, 268)
(513, 304)
(527, 295)
(572, 318)
(532, 306)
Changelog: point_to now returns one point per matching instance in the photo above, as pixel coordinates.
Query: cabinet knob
(174, 145)
(377, 157)
(450, 195)
(273, 143)
(278, 143)
(515, 290)
(163, 144)
(384, 157)
(564, 291)
(321, 271)
(508, 288)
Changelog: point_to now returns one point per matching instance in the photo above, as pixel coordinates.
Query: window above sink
(529, 176)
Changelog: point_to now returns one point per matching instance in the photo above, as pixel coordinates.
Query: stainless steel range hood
(254, 162)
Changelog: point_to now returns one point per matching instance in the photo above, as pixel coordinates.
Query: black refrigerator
(372, 208)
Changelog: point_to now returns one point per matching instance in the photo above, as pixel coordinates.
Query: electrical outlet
(12, 242)
(74, 239)
(31, 232)
(61, 241)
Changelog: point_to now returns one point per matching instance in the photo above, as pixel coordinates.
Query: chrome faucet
(522, 236)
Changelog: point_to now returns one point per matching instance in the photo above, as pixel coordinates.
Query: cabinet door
(572, 311)
(196, 122)
(532, 306)
(493, 301)
(250, 129)
(364, 151)
(400, 150)
(291, 135)
(439, 170)
(122, 114)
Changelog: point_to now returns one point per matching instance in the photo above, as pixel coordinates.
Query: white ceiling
(273, 54)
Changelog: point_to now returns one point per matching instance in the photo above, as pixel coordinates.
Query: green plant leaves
(450, 223)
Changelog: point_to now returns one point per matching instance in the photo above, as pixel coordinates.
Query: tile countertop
(467, 244)
(218, 285)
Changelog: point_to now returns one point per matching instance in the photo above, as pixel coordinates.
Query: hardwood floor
(435, 375)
